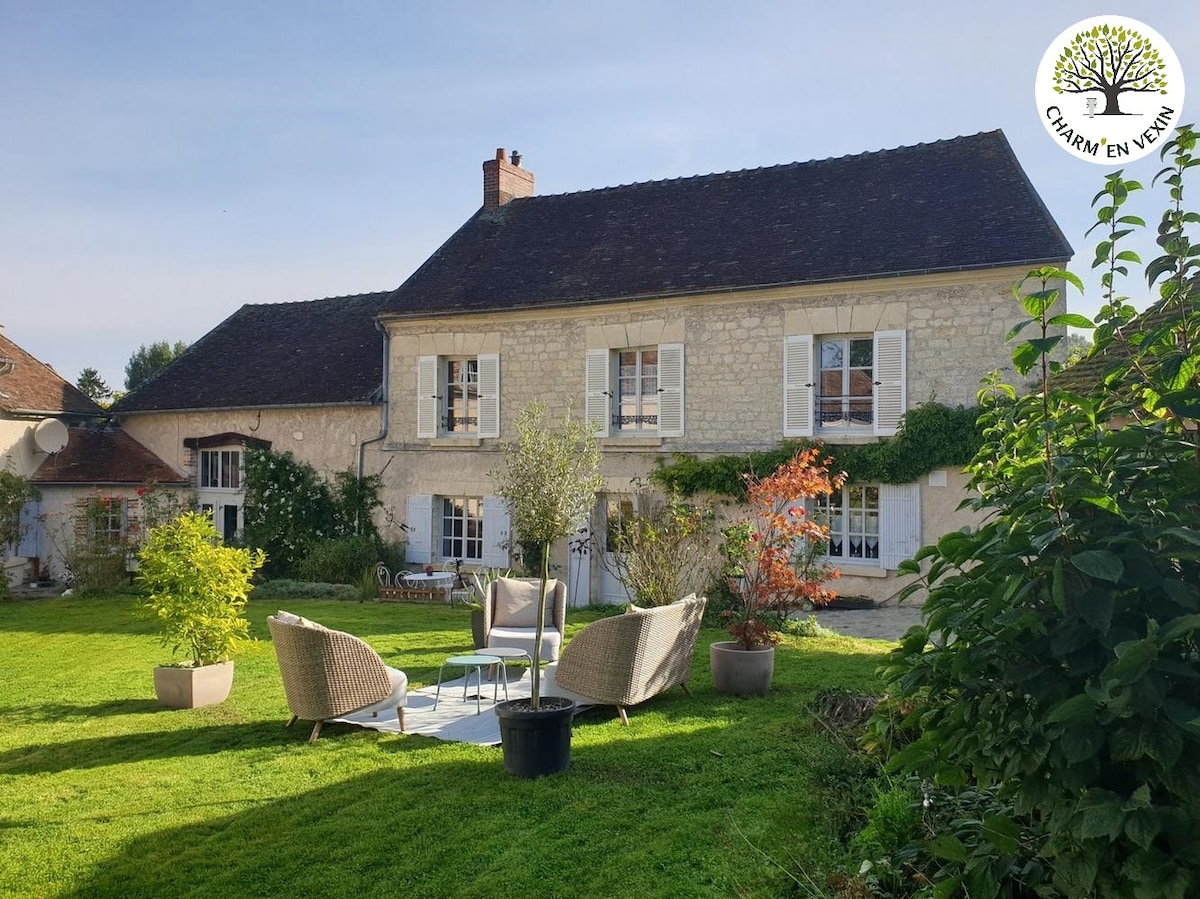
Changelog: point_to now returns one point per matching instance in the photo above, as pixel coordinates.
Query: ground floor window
(853, 519)
(462, 527)
(107, 518)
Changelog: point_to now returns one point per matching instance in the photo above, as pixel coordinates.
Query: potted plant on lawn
(197, 590)
(776, 565)
(549, 483)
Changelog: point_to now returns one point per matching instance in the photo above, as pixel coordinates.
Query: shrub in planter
(196, 593)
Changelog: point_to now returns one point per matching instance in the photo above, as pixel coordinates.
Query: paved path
(883, 622)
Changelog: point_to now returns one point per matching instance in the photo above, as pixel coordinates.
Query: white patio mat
(453, 719)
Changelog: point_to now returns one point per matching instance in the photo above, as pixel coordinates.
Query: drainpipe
(383, 415)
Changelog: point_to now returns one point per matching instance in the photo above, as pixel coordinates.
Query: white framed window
(220, 469)
(853, 519)
(849, 383)
(458, 396)
(635, 391)
(846, 382)
(636, 397)
(462, 528)
(444, 528)
(108, 518)
(875, 525)
(462, 396)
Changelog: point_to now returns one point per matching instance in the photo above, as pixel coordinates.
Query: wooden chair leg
(624, 717)
(685, 688)
(316, 732)
(292, 720)
(400, 716)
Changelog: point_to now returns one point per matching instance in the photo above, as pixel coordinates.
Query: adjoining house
(709, 315)
(301, 377)
(88, 474)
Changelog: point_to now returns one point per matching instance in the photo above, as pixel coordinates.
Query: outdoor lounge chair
(510, 615)
(328, 674)
(628, 658)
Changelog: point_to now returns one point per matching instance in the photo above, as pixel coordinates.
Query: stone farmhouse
(707, 315)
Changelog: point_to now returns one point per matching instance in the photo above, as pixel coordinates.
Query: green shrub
(286, 588)
(341, 560)
(197, 587)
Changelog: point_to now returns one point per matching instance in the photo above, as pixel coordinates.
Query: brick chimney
(504, 180)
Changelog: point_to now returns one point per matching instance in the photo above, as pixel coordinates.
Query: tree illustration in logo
(1112, 60)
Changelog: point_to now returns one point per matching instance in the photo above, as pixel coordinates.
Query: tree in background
(148, 361)
(92, 385)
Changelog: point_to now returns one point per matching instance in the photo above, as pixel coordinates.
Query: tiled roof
(316, 353)
(34, 387)
(954, 204)
(104, 455)
(1089, 372)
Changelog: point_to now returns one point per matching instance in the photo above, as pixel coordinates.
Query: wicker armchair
(628, 658)
(509, 621)
(328, 674)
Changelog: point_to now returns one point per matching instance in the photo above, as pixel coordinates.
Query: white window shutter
(427, 396)
(496, 532)
(890, 378)
(798, 385)
(419, 518)
(899, 523)
(670, 390)
(489, 395)
(599, 387)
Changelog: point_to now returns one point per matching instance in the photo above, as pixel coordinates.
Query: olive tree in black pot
(549, 483)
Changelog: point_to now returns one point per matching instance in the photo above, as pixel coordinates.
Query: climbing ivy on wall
(931, 436)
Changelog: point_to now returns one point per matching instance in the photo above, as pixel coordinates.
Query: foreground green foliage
(1064, 677)
(106, 795)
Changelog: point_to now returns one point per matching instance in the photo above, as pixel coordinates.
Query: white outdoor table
(439, 580)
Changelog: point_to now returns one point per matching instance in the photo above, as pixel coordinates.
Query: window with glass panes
(462, 396)
(637, 390)
(462, 527)
(618, 513)
(106, 518)
(221, 469)
(853, 518)
(846, 382)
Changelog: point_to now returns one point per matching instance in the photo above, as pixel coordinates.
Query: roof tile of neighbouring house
(104, 455)
(1088, 373)
(315, 353)
(963, 203)
(34, 387)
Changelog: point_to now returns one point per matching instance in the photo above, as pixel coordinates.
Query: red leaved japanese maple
(782, 559)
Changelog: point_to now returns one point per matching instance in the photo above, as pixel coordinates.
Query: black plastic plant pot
(536, 743)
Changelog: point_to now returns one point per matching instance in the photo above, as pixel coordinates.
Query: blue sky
(164, 163)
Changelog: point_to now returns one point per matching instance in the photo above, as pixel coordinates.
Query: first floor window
(846, 384)
(462, 527)
(853, 519)
(637, 390)
(462, 396)
(221, 469)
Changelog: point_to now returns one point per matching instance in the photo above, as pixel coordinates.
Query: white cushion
(516, 602)
(524, 638)
(298, 621)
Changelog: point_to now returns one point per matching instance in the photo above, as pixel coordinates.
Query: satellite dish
(50, 435)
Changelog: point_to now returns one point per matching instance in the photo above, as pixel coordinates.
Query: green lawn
(104, 794)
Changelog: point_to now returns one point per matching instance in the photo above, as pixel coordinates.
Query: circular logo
(1109, 90)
